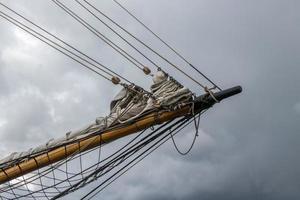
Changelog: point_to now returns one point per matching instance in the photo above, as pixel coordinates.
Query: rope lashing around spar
(209, 91)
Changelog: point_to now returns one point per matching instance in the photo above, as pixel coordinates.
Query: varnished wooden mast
(60, 153)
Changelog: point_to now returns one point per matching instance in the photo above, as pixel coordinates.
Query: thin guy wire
(70, 158)
(11, 20)
(72, 47)
(125, 155)
(84, 170)
(180, 128)
(135, 37)
(99, 35)
(139, 160)
(120, 36)
(148, 142)
(171, 48)
(118, 157)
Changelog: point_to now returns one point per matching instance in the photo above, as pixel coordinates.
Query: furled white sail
(127, 105)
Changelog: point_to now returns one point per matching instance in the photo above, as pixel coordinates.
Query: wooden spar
(60, 153)
(84, 145)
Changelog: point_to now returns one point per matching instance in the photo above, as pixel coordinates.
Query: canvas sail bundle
(127, 105)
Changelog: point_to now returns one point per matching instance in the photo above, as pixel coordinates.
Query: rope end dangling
(115, 80)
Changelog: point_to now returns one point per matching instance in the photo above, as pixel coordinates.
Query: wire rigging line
(120, 158)
(165, 43)
(169, 136)
(98, 34)
(82, 171)
(71, 142)
(48, 42)
(72, 47)
(177, 126)
(89, 170)
(134, 37)
(138, 161)
(119, 35)
(56, 187)
(119, 162)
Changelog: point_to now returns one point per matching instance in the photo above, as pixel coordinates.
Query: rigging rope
(67, 52)
(114, 162)
(118, 34)
(39, 36)
(171, 136)
(196, 124)
(132, 151)
(158, 67)
(72, 47)
(98, 34)
(139, 160)
(90, 169)
(74, 181)
(165, 43)
(179, 125)
(68, 178)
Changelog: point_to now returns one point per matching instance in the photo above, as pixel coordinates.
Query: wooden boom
(60, 153)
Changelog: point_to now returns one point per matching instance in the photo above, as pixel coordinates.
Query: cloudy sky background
(248, 146)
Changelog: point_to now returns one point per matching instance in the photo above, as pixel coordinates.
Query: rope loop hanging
(196, 125)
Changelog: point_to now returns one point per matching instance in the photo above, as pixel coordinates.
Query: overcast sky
(249, 145)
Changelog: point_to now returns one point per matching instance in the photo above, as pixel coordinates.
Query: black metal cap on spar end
(228, 93)
(205, 101)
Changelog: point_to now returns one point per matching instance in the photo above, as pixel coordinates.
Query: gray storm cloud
(248, 145)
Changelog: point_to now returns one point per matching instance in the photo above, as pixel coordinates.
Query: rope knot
(208, 91)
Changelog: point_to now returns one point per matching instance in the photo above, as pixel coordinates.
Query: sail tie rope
(208, 91)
